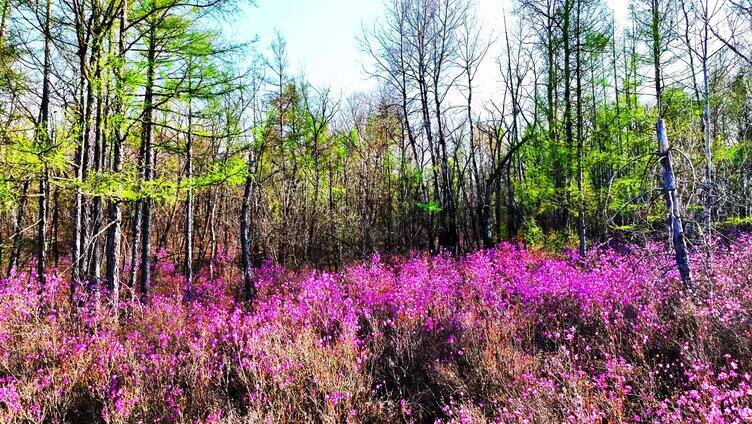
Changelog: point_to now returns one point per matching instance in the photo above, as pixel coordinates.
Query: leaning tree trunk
(676, 227)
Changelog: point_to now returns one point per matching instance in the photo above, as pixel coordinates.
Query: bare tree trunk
(249, 289)
(514, 140)
(481, 221)
(43, 140)
(94, 265)
(90, 160)
(676, 227)
(55, 227)
(708, 180)
(114, 213)
(135, 249)
(78, 234)
(568, 125)
(580, 141)
(213, 235)
(44, 187)
(188, 229)
(148, 172)
(17, 236)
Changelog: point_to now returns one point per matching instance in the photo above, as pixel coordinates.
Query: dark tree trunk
(148, 172)
(249, 288)
(114, 214)
(580, 141)
(43, 140)
(17, 237)
(188, 228)
(568, 127)
(56, 227)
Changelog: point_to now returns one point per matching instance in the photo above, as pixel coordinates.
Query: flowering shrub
(503, 335)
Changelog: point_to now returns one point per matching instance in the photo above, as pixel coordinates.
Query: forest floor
(504, 335)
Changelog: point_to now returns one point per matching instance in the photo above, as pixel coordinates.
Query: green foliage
(432, 207)
(736, 222)
(231, 172)
(534, 236)
(161, 190)
(7, 194)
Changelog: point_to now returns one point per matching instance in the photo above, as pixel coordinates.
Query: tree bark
(188, 228)
(249, 288)
(114, 213)
(708, 180)
(568, 124)
(580, 141)
(43, 141)
(16, 238)
(676, 227)
(148, 172)
(675, 224)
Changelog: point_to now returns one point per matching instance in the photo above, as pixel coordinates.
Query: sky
(322, 37)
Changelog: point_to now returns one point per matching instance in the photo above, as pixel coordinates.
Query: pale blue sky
(321, 36)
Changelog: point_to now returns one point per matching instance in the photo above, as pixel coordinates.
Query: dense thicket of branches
(125, 129)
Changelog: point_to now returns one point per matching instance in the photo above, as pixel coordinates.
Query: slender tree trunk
(55, 227)
(568, 127)
(690, 51)
(15, 253)
(90, 160)
(148, 172)
(512, 215)
(43, 140)
(249, 289)
(94, 261)
(675, 224)
(708, 180)
(44, 187)
(511, 209)
(559, 165)
(422, 190)
(213, 236)
(427, 127)
(114, 214)
(135, 249)
(580, 141)
(333, 239)
(82, 151)
(188, 229)
(311, 252)
(482, 220)
(448, 234)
